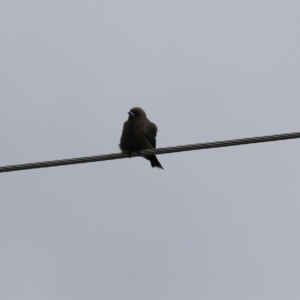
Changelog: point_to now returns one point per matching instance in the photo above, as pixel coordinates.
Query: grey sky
(214, 224)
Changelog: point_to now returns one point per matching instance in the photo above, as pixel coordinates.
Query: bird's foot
(129, 153)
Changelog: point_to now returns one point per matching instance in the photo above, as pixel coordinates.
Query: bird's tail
(154, 162)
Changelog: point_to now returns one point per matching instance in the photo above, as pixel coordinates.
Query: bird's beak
(131, 114)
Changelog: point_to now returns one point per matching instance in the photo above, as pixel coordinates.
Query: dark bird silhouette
(139, 134)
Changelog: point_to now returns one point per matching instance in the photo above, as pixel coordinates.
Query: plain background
(214, 224)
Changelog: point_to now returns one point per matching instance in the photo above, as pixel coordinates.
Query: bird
(139, 134)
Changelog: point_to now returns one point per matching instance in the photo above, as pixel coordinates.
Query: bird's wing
(151, 134)
(151, 138)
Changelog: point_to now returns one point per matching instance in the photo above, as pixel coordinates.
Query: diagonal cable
(89, 159)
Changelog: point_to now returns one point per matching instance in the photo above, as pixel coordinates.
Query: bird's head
(136, 112)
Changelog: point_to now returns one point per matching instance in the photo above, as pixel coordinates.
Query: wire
(89, 159)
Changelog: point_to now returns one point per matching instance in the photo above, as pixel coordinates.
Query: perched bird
(139, 134)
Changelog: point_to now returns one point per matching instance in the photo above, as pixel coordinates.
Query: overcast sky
(214, 224)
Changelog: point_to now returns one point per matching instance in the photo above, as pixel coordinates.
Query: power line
(88, 159)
